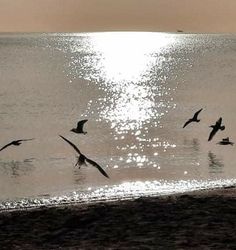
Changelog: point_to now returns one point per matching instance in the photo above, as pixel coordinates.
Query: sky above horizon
(109, 15)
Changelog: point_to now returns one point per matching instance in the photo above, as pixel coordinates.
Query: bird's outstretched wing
(72, 144)
(196, 114)
(25, 140)
(213, 132)
(7, 145)
(80, 125)
(219, 121)
(187, 122)
(97, 166)
(16, 143)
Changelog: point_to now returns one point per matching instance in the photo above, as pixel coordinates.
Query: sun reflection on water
(131, 81)
(127, 56)
(132, 70)
(133, 85)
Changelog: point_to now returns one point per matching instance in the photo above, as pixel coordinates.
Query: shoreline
(199, 219)
(223, 190)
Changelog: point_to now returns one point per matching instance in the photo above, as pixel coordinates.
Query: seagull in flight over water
(226, 141)
(82, 159)
(79, 129)
(194, 119)
(215, 128)
(15, 143)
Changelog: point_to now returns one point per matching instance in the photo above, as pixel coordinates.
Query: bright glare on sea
(136, 90)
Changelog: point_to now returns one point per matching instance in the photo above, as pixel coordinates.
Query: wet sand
(198, 220)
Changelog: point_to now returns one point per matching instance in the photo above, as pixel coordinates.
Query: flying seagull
(15, 143)
(79, 129)
(82, 159)
(215, 128)
(225, 141)
(194, 119)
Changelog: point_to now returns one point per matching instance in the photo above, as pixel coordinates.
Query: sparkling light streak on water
(124, 66)
(106, 53)
(132, 72)
(136, 50)
(126, 190)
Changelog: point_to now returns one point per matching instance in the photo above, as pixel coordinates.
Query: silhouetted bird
(215, 128)
(79, 129)
(16, 143)
(225, 141)
(194, 119)
(82, 159)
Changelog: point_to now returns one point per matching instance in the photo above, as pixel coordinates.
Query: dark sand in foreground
(199, 220)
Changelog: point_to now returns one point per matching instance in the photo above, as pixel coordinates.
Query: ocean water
(136, 89)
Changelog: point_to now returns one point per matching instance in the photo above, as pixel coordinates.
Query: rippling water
(136, 90)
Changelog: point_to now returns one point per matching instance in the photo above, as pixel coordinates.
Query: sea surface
(136, 89)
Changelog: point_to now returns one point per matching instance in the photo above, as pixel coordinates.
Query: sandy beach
(198, 220)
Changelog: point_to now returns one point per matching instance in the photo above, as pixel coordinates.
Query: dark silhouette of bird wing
(187, 122)
(97, 166)
(25, 139)
(72, 144)
(218, 123)
(196, 114)
(80, 125)
(7, 145)
(16, 141)
(213, 132)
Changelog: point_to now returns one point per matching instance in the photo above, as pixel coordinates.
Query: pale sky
(108, 15)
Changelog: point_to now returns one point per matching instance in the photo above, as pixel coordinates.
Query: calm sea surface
(136, 90)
